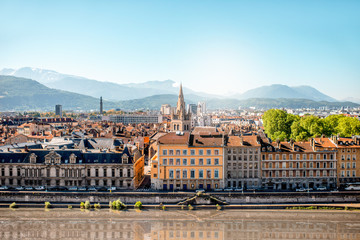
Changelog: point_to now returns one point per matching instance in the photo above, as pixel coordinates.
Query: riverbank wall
(174, 198)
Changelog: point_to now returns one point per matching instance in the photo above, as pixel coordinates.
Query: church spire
(180, 108)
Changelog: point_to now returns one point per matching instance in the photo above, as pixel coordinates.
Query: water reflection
(158, 225)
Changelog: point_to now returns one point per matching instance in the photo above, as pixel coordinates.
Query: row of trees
(281, 125)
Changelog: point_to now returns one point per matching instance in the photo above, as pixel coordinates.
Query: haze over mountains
(114, 91)
(20, 93)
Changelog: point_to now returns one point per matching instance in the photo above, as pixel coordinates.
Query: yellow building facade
(187, 162)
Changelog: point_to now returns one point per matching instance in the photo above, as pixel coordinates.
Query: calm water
(156, 224)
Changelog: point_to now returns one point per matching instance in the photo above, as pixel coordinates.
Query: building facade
(292, 165)
(242, 162)
(68, 167)
(187, 161)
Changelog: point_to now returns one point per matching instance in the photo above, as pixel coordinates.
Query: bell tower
(180, 119)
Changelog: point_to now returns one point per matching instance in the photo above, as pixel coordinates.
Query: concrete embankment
(153, 198)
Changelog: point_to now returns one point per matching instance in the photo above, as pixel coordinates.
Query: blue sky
(212, 46)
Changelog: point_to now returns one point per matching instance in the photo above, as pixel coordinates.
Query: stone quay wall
(174, 198)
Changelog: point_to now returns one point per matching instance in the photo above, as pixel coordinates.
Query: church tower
(180, 119)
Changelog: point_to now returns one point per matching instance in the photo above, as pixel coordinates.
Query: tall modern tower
(58, 110)
(101, 106)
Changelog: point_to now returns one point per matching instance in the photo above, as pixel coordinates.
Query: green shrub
(97, 206)
(82, 205)
(13, 205)
(218, 207)
(346, 208)
(190, 207)
(117, 205)
(182, 207)
(47, 205)
(87, 205)
(69, 207)
(138, 205)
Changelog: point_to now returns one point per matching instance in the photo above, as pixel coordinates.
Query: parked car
(40, 188)
(4, 188)
(238, 189)
(111, 188)
(228, 189)
(102, 189)
(321, 188)
(301, 190)
(73, 188)
(82, 189)
(218, 189)
(200, 190)
(20, 188)
(92, 189)
(29, 188)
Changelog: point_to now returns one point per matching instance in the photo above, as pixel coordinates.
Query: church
(180, 119)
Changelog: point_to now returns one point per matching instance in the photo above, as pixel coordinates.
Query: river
(178, 224)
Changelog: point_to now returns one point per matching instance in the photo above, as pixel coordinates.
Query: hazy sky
(213, 46)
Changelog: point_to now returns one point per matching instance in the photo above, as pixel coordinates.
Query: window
(178, 152)
(184, 152)
(325, 156)
(216, 151)
(353, 173)
(311, 165)
(208, 161)
(165, 152)
(324, 165)
(208, 173)
(317, 173)
(311, 157)
(277, 157)
(192, 152)
(208, 152)
(354, 157)
(283, 165)
(270, 165)
(216, 173)
(171, 173)
(270, 157)
(201, 173)
(201, 152)
(184, 161)
(283, 173)
(216, 161)
(291, 165)
(354, 165)
(105, 172)
(129, 173)
(304, 156)
(184, 174)
(283, 157)
(192, 161)
(171, 152)
(304, 165)
(317, 156)
(171, 161)
(324, 173)
(347, 173)
(347, 165)
(192, 173)
(291, 157)
(342, 165)
(178, 161)
(297, 156)
(201, 161)
(96, 172)
(164, 161)
(177, 174)
(88, 172)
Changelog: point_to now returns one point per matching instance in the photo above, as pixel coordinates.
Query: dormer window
(33, 158)
(72, 158)
(125, 158)
(53, 158)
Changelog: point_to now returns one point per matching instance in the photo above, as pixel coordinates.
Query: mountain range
(47, 88)
(115, 92)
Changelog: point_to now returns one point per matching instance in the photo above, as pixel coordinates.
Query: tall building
(58, 110)
(201, 108)
(192, 108)
(180, 120)
(101, 105)
(165, 109)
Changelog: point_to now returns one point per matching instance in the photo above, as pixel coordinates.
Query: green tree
(277, 124)
(348, 126)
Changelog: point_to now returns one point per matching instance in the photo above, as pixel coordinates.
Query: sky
(218, 47)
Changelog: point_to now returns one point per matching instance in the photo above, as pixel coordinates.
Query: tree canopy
(281, 125)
